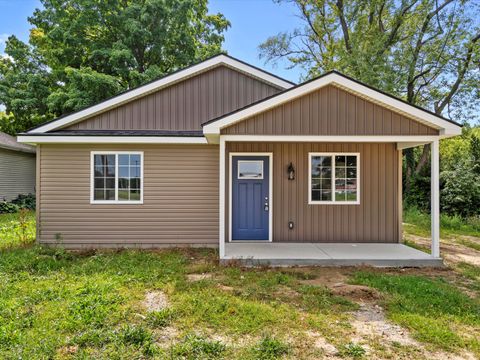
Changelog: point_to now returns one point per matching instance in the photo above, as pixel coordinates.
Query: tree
(460, 188)
(25, 85)
(424, 51)
(88, 50)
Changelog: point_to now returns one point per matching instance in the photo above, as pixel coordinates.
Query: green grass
(418, 223)
(472, 273)
(14, 232)
(53, 301)
(435, 311)
(56, 304)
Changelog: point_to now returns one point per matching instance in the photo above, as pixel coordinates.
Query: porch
(328, 254)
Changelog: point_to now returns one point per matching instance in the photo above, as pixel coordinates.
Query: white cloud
(5, 56)
(3, 40)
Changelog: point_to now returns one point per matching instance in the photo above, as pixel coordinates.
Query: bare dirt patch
(225, 288)
(199, 277)
(335, 279)
(155, 301)
(452, 252)
(325, 276)
(370, 321)
(356, 293)
(285, 292)
(329, 350)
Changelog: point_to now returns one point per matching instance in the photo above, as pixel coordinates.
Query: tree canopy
(83, 51)
(425, 51)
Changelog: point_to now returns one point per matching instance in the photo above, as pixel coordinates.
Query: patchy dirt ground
(451, 249)
(155, 301)
(369, 321)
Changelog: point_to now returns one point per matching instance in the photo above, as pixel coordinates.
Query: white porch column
(221, 244)
(435, 198)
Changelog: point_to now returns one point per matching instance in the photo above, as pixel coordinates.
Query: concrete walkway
(331, 254)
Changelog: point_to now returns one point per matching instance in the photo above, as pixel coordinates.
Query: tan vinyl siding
(329, 111)
(184, 106)
(180, 198)
(17, 174)
(375, 219)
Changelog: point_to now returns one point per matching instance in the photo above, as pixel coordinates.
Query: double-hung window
(334, 178)
(116, 177)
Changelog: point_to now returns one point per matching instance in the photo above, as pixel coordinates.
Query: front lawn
(179, 304)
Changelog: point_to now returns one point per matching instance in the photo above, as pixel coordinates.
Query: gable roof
(10, 143)
(153, 86)
(335, 78)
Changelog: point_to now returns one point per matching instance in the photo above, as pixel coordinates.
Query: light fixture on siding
(291, 172)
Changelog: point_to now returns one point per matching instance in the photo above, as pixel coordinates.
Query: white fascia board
(408, 145)
(425, 117)
(161, 83)
(258, 73)
(45, 139)
(326, 138)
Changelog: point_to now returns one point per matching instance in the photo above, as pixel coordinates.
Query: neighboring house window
(334, 178)
(117, 177)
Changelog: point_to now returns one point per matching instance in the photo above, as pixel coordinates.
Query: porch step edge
(393, 263)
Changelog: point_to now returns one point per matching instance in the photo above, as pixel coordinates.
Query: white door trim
(270, 194)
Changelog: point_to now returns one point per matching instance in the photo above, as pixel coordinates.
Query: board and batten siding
(185, 105)
(17, 174)
(376, 219)
(329, 111)
(180, 199)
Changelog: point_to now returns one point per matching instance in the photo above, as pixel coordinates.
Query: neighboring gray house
(17, 168)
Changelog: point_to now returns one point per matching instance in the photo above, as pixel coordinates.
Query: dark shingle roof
(10, 143)
(187, 133)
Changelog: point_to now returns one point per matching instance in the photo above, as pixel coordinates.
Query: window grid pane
(106, 182)
(129, 180)
(321, 178)
(345, 178)
(104, 177)
(334, 175)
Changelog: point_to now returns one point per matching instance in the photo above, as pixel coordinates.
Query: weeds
(353, 350)
(196, 347)
(161, 319)
(270, 348)
(17, 229)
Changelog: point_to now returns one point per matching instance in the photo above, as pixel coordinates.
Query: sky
(252, 22)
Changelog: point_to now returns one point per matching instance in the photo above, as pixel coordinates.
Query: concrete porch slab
(331, 254)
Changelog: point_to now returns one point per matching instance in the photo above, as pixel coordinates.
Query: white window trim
(92, 177)
(248, 177)
(332, 202)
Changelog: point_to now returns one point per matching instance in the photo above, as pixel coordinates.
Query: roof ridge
(322, 76)
(159, 79)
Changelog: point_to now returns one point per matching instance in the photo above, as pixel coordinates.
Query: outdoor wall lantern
(291, 172)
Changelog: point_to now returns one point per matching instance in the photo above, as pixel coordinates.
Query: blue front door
(250, 197)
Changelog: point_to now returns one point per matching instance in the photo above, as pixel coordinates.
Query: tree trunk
(423, 159)
(409, 162)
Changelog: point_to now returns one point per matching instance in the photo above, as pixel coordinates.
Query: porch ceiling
(329, 254)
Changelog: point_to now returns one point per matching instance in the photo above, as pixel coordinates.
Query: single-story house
(17, 168)
(223, 154)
